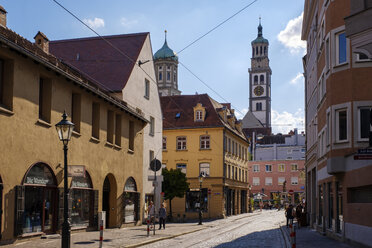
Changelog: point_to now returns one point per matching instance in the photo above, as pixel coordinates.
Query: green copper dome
(165, 52)
(260, 38)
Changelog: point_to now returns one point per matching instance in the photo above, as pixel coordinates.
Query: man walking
(289, 213)
(162, 216)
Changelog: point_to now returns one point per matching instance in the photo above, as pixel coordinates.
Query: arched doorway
(131, 201)
(109, 200)
(36, 201)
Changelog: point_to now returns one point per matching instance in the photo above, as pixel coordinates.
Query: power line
(210, 31)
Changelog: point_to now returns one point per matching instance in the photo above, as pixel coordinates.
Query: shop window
(181, 143)
(45, 99)
(131, 201)
(95, 120)
(182, 168)
(131, 136)
(81, 199)
(76, 111)
(204, 168)
(6, 84)
(118, 130)
(204, 142)
(110, 126)
(193, 202)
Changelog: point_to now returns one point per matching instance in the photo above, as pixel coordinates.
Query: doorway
(1, 206)
(106, 200)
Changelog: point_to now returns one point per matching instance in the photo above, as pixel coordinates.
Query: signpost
(155, 165)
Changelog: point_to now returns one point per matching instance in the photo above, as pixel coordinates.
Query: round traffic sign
(291, 192)
(155, 165)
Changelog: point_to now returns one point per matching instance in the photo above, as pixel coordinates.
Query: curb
(285, 236)
(163, 238)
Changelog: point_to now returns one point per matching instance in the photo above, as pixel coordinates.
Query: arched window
(160, 76)
(262, 79)
(81, 195)
(261, 50)
(131, 199)
(265, 50)
(256, 51)
(255, 79)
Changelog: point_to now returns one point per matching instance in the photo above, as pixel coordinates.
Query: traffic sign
(290, 191)
(155, 165)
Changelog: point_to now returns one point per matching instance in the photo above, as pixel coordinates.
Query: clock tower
(260, 80)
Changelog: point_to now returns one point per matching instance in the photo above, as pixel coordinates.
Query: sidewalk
(125, 237)
(309, 238)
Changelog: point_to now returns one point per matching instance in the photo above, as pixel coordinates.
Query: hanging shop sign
(76, 171)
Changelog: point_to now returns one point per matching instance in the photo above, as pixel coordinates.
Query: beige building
(202, 135)
(338, 104)
(107, 142)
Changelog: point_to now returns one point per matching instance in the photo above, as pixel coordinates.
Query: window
(246, 176)
(95, 120)
(236, 173)
(327, 49)
(268, 181)
(259, 106)
(255, 79)
(131, 136)
(262, 79)
(240, 151)
(204, 167)
(6, 84)
(294, 180)
(168, 75)
(341, 125)
(181, 167)
(364, 122)
(164, 143)
(233, 147)
(232, 172)
(45, 99)
(152, 126)
(151, 155)
(174, 76)
(160, 76)
(256, 168)
(193, 200)
(147, 89)
(281, 167)
(341, 56)
(110, 126)
(199, 115)
(181, 143)
(204, 142)
(240, 174)
(118, 130)
(256, 181)
(294, 167)
(229, 145)
(361, 57)
(268, 168)
(228, 171)
(281, 180)
(76, 111)
(328, 131)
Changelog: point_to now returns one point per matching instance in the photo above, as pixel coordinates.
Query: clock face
(259, 90)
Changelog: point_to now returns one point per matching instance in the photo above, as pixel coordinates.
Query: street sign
(155, 165)
(365, 151)
(290, 192)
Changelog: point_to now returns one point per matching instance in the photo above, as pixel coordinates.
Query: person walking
(162, 216)
(151, 213)
(298, 214)
(289, 213)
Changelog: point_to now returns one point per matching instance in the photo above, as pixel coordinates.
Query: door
(1, 206)
(106, 200)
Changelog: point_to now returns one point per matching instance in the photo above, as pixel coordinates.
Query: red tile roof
(178, 113)
(98, 60)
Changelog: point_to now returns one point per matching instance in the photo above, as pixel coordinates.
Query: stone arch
(109, 200)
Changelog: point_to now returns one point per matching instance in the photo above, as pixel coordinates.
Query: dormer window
(199, 112)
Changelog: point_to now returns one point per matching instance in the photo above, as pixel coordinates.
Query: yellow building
(35, 89)
(202, 135)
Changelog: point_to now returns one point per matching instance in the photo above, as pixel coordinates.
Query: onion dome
(260, 38)
(165, 52)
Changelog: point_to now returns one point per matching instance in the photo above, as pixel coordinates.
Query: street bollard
(148, 227)
(100, 233)
(292, 234)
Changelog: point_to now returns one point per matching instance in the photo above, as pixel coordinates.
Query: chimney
(42, 41)
(2, 16)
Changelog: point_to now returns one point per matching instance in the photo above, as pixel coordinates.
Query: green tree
(174, 185)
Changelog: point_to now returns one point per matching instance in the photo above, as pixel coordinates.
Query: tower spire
(165, 34)
(259, 28)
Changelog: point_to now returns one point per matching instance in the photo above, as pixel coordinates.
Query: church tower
(260, 80)
(166, 69)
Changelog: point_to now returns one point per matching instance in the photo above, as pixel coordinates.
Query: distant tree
(174, 185)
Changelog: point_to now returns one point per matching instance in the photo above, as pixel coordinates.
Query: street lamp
(64, 130)
(249, 204)
(201, 177)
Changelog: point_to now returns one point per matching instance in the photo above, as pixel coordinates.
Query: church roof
(165, 52)
(260, 38)
(251, 121)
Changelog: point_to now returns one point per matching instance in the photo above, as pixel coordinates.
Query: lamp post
(249, 204)
(64, 130)
(201, 177)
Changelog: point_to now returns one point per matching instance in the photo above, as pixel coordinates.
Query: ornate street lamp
(201, 177)
(64, 130)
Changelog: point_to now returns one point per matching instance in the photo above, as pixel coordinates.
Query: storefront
(194, 198)
(131, 201)
(36, 201)
(83, 201)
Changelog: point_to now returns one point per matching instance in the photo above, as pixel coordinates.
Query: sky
(220, 59)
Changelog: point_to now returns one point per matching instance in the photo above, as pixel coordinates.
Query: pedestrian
(261, 205)
(289, 213)
(151, 212)
(298, 214)
(162, 216)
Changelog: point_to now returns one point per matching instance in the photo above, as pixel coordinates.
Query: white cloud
(299, 78)
(240, 114)
(290, 37)
(95, 23)
(285, 122)
(128, 23)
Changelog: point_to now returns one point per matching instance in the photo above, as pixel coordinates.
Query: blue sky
(221, 59)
